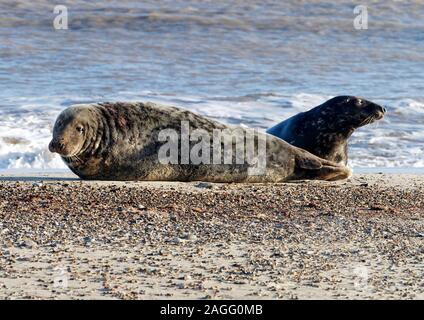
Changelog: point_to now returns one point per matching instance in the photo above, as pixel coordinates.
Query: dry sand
(63, 238)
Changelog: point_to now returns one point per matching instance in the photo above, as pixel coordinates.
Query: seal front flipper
(312, 167)
(308, 163)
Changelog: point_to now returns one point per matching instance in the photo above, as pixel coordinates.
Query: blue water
(242, 62)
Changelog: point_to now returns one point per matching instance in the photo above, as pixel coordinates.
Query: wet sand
(67, 239)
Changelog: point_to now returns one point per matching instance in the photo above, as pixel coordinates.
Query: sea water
(252, 63)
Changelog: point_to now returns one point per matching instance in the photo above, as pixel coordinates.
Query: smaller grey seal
(325, 129)
(124, 141)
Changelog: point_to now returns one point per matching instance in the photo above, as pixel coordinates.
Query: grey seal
(324, 130)
(122, 141)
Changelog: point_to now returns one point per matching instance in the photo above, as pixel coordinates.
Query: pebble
(28, 243)
(280, 240)
(204, 185)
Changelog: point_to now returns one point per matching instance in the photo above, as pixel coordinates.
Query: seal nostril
(55, 146)
(381, 109)
(51, 147)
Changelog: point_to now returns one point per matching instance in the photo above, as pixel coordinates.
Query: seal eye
(80, 129)
(359, 102)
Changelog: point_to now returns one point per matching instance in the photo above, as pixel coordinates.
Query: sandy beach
(63, 238)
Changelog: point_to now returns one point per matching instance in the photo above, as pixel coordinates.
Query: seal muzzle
(56, 146)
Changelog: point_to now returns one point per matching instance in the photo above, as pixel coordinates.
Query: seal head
(70, 131)
(347, 113)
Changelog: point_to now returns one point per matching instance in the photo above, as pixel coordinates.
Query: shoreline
(356, 170)
(354, 239)
(394, 177)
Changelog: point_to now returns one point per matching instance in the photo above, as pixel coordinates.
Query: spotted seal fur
(122, 141)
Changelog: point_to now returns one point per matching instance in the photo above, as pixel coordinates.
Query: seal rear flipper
(320, 169)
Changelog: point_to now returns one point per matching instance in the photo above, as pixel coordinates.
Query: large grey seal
(325, 129)
(122, 141)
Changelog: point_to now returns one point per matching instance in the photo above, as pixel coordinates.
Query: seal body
(123, 141)
(324, 130)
